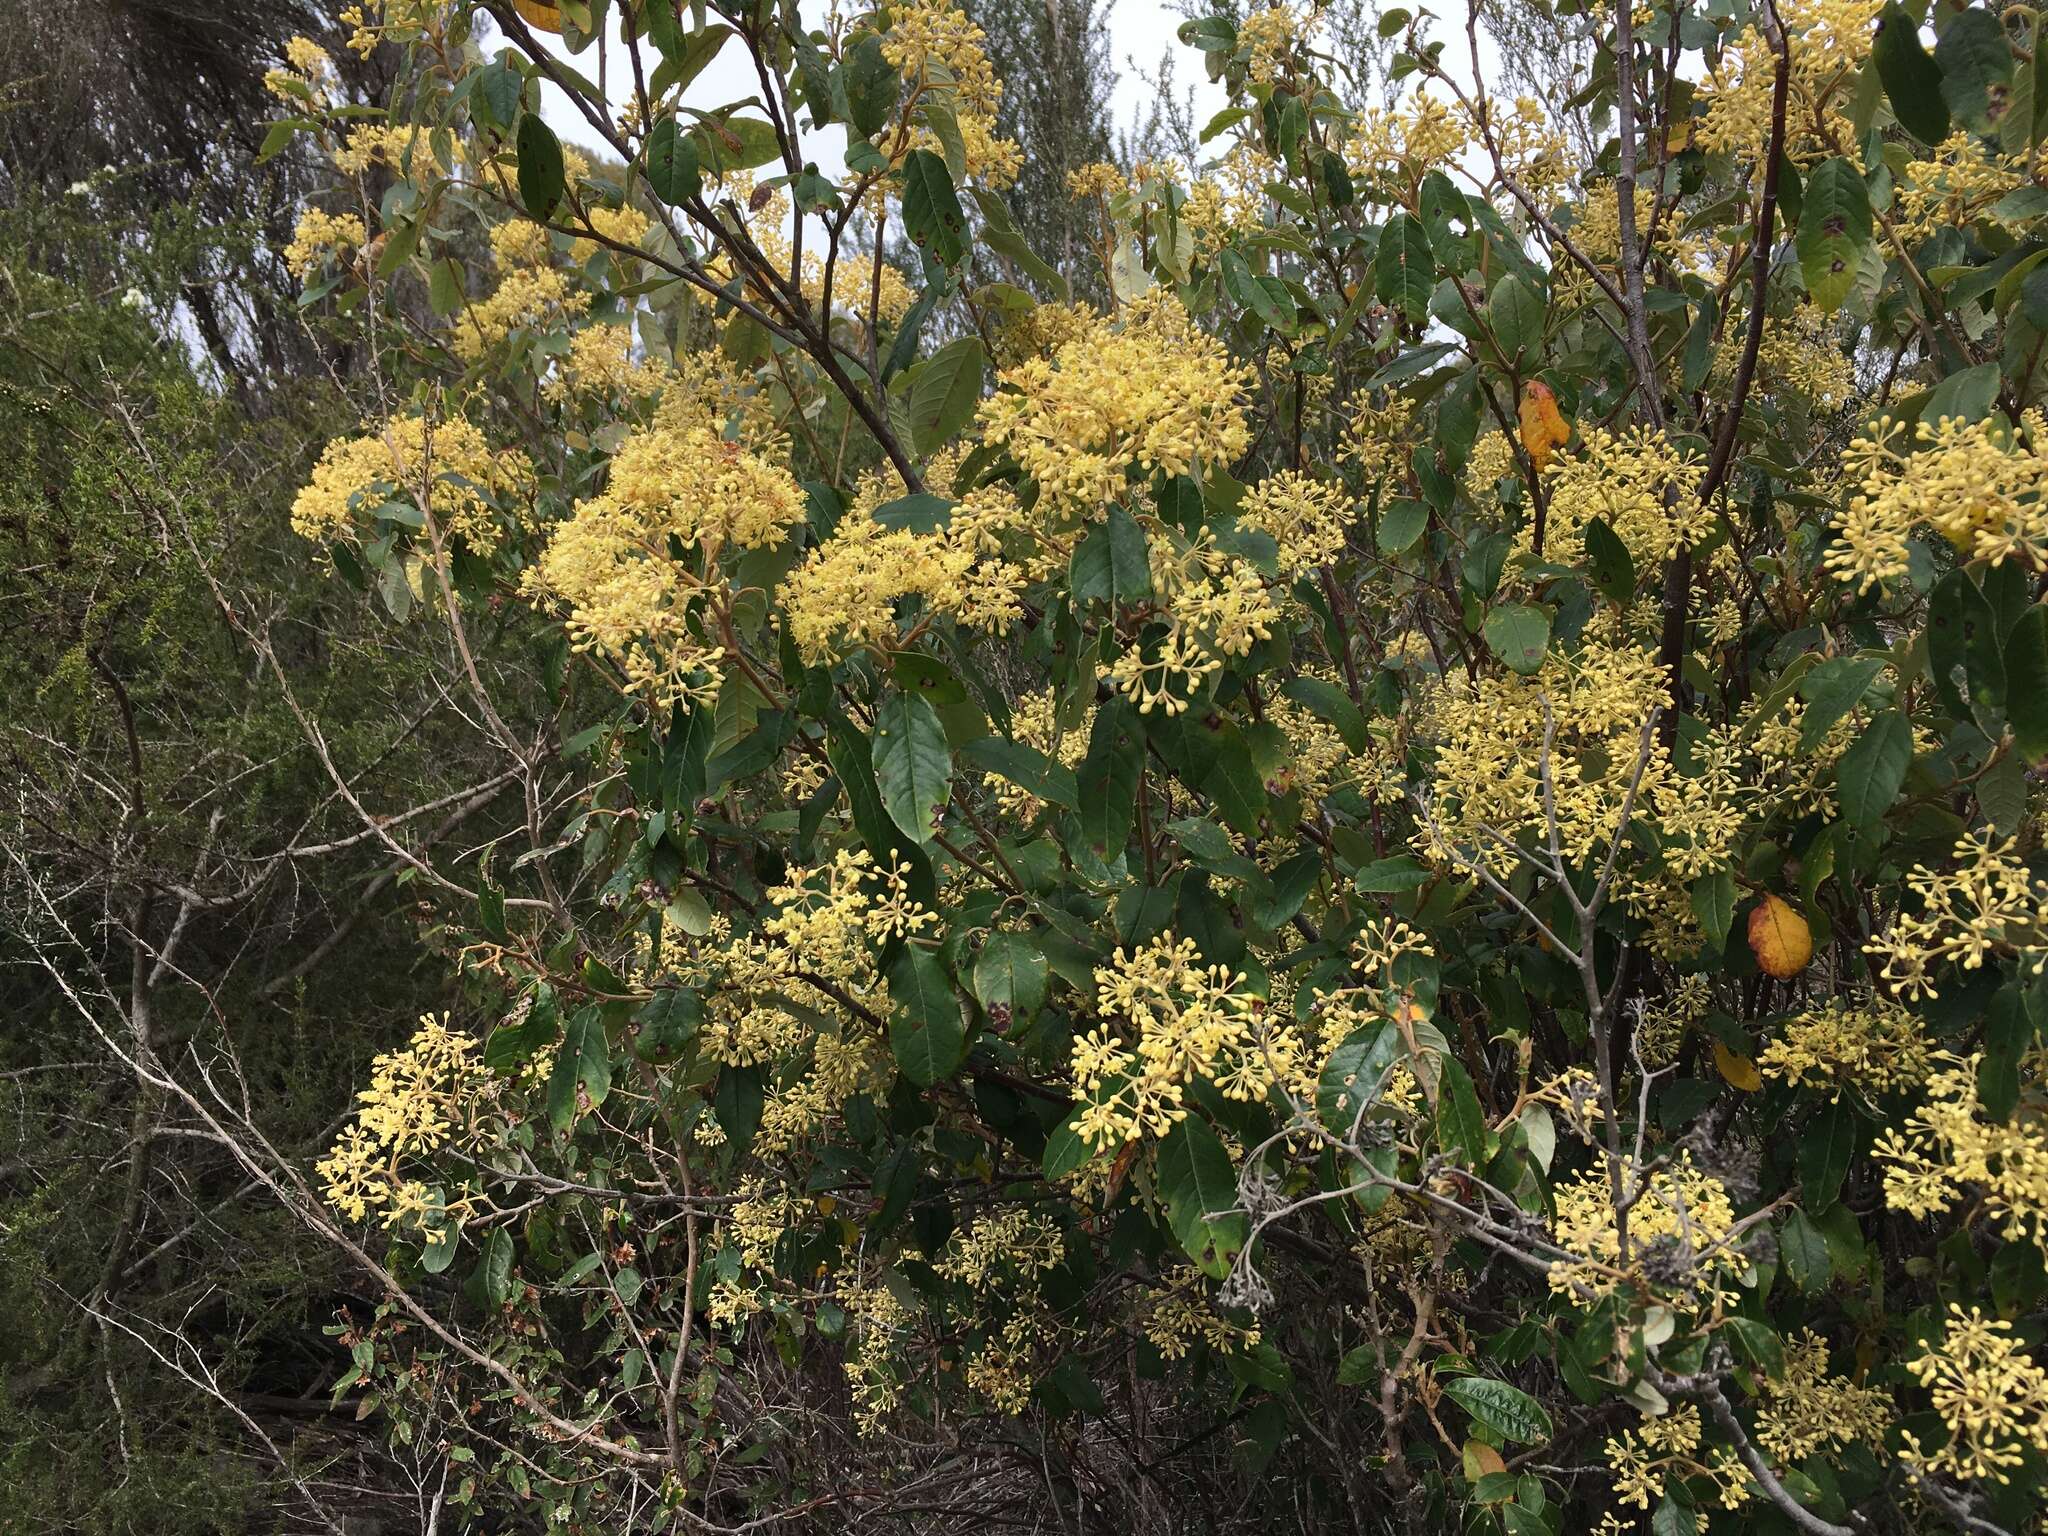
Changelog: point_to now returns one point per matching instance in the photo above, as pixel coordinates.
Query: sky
(1139, 30)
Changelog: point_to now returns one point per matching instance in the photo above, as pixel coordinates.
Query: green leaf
(913, 766)
(1803, 1249)
(1404, 269)
(1609, 563)
(1713, 903)
(1834, 228)
(585, 1059)
(1010, 973)
(1401, 524)
(865, 86)
(1064, 1149)
(1831, 690)
(1026, 767)
(672, 172)
(1912, 79)
(667, 1023)
(2026, 684)
(1962, 636)
(1825, 1152)
(541, 175)
(944, 391)
(1868, 778)
(1330, 703)
(931, 209)
(684, 57)
(1519, 635)
(494, 1268)
(1516, 313)
(1976, 69)
(925, 1033)
(512, 1045)
(1355, 1073)
(1756, 1343)
(497, 91)
(1111, 563)
(1508, 1411)
(1108, 780)
(1390, 875)
(1461, 1125)
(1967, 394)
(1200, 1188)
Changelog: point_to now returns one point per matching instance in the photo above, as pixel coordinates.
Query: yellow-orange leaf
(1779, 938)
(1481, 1460)
(1544, 429)
(540, 15)
(1738, 1071)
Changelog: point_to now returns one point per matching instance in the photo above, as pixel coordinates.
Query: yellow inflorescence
(1146, 388)
(1874, 1047)
(1806, 1411)
(1988, 905)
(419, 1100)
(938, 49)
(1646, 1458)
(321, 236)
(1978, 484)
(1993, 1397)
(443, 467)
(1180, 1021)
(1952, 1150)
(1679, 1233)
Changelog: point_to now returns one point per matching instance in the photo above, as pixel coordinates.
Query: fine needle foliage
(1391, 880)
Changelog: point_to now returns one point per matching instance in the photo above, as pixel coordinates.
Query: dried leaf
(1737, 1071)
(1779, 938)
(1544, 429)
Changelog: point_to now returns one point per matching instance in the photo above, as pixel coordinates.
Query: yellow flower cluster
(1993, 1397)
(1488, 736)
(1872, 1048)
(521, 243)
(1179, 1021)
(1177, 1316)
(800, 991)
(407, 150)
(1806, 1411)
(1269, 36)
(1390, 149)
(633, 567)
(1636, 482)
(1146, 387)
(446, 465)
(532, 299)
(1828, 41)
(1680, 1230)
(1951, 1150)
(1002, 1249)
(1645, 1458)
(1957, 186)
(1218, 606)
(939, 52)
(419, 1100)
(1308, 518)
(626, 226)
(1799, 354)
(1988, 905)
(319, 236)
(1978, 484)
(843, 596)
(600, 365)
(307, 78)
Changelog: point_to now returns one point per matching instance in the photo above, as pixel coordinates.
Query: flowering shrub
(1415, 842)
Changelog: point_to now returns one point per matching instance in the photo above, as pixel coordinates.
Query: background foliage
(1336, 831)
